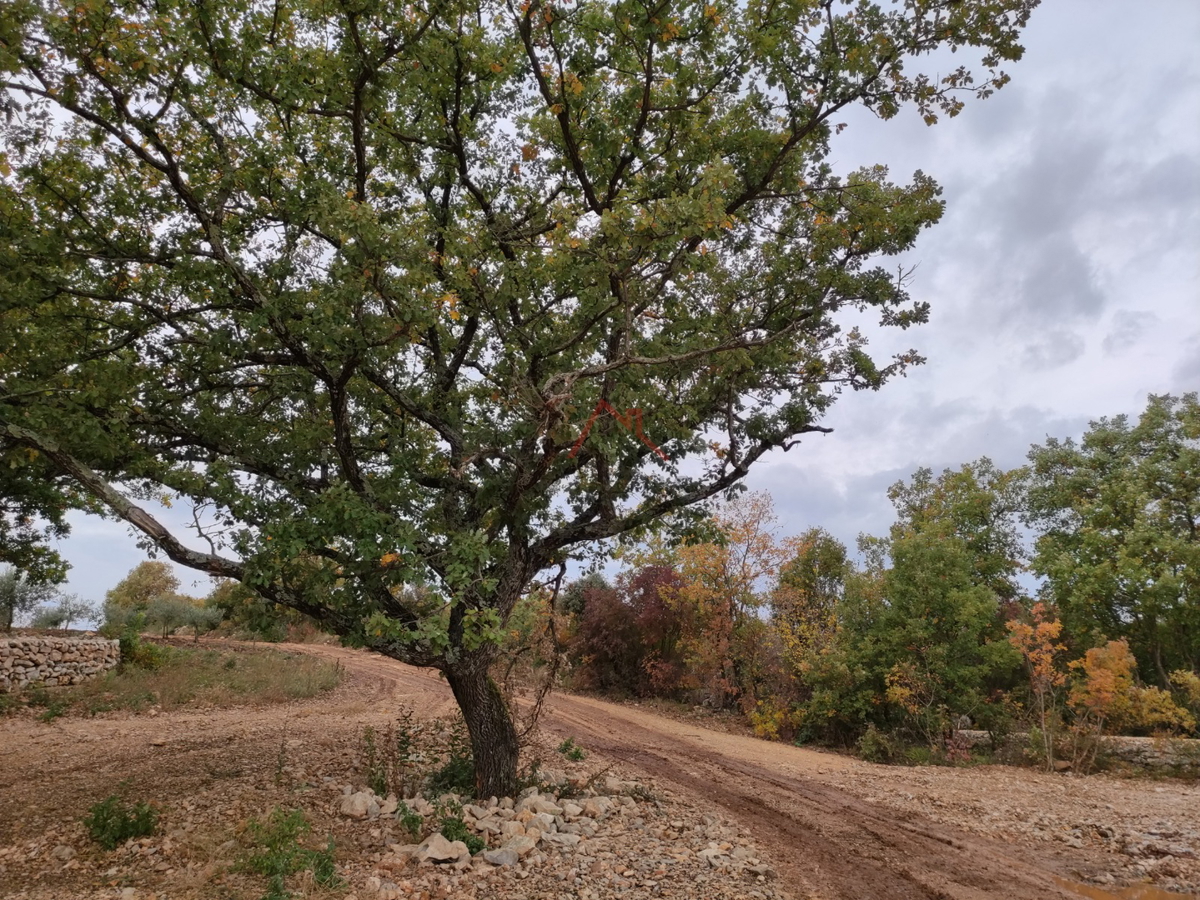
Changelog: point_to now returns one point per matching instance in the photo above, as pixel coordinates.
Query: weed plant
(275, 852)
(111, 822)
(571, 751)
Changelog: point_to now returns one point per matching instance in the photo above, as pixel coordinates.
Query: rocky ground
(658, 808)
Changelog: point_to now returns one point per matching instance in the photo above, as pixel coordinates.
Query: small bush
(572, 752)
(111, 822)
(457, 774)
(919, 756)
(410, 820)
(455, 829)
(376, 765)
(773, 720)
(877, 747)
(137, 654)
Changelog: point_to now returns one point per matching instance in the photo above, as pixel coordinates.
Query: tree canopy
(145, 583)
(1118, 522)
(353, 277)
(19, 595)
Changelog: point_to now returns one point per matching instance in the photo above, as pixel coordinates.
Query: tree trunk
(493, 736)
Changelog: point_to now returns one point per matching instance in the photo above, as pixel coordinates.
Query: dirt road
(834, 827)
(826, 842)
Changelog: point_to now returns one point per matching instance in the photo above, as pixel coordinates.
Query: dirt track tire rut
(824, 840)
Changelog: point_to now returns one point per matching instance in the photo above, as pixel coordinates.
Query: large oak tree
(354, 274)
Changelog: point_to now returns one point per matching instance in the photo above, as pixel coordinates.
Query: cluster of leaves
(572, 751)
(111, 822)
(456, 775)
(453, 828)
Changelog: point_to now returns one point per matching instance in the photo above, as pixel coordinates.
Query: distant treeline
(934, 626)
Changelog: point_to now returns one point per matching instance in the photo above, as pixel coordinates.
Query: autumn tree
(146, 582)
(574, 598)
(628, 636)
(352, 277)
(1106, 698)
(1038, 641)
(804, 602)
(726, 581)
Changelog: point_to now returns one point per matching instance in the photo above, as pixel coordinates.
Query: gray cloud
(1059, 281)
(1127, 328)
(1186, 375)
(1053, 350)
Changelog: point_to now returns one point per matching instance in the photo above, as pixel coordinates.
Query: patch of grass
(194, 677)
(275, 852)
(54, 709)
(111, 822)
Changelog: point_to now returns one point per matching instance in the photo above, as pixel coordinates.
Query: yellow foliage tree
(1107, 699)
(1038, 642)
(725, 583)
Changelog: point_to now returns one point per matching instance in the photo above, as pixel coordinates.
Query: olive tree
(354, 276)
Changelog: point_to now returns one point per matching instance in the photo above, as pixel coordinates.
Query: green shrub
(137, 654)
(375, 764)
(457, 774)
(455, 829)
(572, 752)
(111, 822)
(919, 755)
(878, 747)
(410, 820)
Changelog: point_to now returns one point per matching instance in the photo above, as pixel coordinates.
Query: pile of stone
(26, 661)
(614, 837)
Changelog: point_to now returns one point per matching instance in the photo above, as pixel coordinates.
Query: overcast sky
(1064, 278)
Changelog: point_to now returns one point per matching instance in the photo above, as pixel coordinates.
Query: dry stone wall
(27, 661)
(1142, 752)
